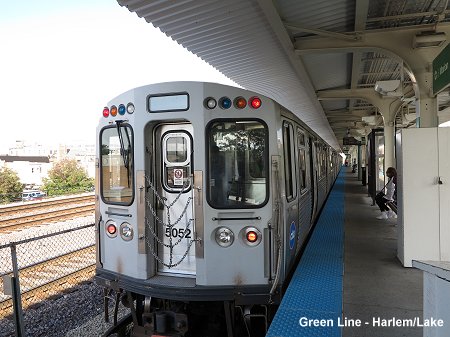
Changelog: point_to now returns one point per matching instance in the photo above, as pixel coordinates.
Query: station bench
(392, 205)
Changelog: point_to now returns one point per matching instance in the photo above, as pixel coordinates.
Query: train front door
(174, 220)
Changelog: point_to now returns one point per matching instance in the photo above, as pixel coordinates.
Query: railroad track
(18, 217)
(45, 279)
(24, 221)
(28, 207)
(45, 275)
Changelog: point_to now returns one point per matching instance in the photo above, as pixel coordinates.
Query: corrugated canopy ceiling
(253, 43)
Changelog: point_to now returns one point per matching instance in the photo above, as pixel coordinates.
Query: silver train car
(205, 196)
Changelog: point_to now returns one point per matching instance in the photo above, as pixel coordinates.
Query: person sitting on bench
(383, 198)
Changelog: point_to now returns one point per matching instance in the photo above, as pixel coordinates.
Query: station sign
(441, 71)
(351, 141)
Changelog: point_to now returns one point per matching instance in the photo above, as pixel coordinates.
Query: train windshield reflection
(237, 166)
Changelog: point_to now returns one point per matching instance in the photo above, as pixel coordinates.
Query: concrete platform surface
(385, 296)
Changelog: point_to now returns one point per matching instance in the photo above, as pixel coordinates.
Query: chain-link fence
(35, 269)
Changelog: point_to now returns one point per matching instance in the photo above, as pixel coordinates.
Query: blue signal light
(225, 103)
(122, 109)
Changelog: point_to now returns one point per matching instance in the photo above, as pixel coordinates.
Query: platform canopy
(298, 52)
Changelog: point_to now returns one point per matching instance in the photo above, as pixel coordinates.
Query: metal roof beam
(348, 118)
(362, 8)
(296, 27)
(405, 16)
(285, 40)
(386, 41)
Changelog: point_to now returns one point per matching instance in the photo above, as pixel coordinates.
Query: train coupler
(162, 324)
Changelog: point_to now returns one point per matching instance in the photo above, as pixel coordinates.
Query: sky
(62, 61)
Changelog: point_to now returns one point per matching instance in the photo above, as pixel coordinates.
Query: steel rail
(55, 215)
(31, 206)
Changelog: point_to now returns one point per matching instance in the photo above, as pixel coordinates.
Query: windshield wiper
(125, 153)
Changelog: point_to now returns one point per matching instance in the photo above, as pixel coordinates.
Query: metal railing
(35, 269)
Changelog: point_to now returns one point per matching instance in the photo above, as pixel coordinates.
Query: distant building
(83, 153)
(23, 148)
(31, 169)
(32, 161)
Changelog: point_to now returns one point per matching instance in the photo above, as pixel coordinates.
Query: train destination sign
(168, 102)
(441, 71)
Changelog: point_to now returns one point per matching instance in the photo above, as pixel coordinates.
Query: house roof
(30, 159)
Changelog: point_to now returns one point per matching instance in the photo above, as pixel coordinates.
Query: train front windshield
(117, 164)
(237, 164)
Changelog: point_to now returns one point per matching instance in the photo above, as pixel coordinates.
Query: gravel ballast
(73, 314)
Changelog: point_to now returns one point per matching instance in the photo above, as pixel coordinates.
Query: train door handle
(141, 194)
(198, 195)
(440, 181)
(160, 203)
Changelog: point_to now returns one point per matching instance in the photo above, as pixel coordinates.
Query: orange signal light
(240, 103)
(113, 111)
(252, 236)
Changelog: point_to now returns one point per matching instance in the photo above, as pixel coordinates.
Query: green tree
(10, 185)
(65, 177)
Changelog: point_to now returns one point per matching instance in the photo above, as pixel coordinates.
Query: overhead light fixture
(389, 88)
(429, 39)
(372, 120)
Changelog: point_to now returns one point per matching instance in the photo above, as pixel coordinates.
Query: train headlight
(130, 108)
(111, 228)
(224, 237)
(105, 111)
(251, 236)
(210, 103)
(126, 231)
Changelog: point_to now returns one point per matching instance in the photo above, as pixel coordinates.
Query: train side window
(237, 169)
(321, 161)
(301, 159)
(324, 161)
(116, 164)
(289, 161)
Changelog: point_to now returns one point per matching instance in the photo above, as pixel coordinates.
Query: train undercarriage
(153, 317)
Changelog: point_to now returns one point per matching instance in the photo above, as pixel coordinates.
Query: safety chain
(168, 225)
(170, 265)
(154, 213)
(155, 191)
(155, 235)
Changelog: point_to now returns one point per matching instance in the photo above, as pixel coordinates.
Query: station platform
(349, 281)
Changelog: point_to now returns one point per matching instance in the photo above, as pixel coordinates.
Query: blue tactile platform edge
(315, 291)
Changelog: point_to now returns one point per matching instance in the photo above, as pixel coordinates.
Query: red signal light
(255, 102)
(105, 112)
(111, 229)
